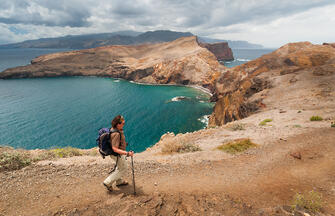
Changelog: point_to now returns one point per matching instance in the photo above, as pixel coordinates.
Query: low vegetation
(64, 152)
(311, 201)
(179, 145)
(236, 126)
(332, 124)
(14, 160)
(316, 118)
(237, 146)
(11, 159)
(263, 123)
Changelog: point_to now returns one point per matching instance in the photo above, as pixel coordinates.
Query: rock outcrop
(220, 50)
(241, 90)
(182, 62)
(329, 44)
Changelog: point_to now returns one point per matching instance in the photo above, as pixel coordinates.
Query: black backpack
(103, 141)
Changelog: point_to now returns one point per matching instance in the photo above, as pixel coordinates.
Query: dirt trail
(257, 182)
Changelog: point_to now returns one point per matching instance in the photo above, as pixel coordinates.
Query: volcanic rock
(236, 90)
(220, 50)
(181, 61)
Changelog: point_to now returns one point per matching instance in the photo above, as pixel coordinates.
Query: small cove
(68, 111)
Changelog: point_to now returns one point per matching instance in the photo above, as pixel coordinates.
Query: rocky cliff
(220, 50)
(244, 89)
(182, 61)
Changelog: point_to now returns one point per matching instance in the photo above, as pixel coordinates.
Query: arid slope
(181, 61)
(294, 155)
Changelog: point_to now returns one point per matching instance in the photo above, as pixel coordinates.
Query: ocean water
(242, 56)
(18, 57)
(68, 111)
(59, 112)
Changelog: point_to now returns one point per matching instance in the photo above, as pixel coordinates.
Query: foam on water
(204, 119)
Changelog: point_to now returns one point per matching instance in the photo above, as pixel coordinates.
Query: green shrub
(316, 118)
(332, 124)
(263, 123)
(64, 152)
(237, 146)
(311, 201)
(297, 126)
(14, 160)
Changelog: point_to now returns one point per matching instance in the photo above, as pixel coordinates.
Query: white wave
(207, 91)
(241, 59)
(178, 98)
(116, 80)
(204, 119)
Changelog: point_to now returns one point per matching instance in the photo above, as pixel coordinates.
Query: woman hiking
(118, 144)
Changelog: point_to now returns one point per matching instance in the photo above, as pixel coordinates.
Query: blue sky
(267, 22)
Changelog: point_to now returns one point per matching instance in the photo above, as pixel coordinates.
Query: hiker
(118, 144)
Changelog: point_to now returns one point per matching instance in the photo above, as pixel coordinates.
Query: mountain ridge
(86, 41)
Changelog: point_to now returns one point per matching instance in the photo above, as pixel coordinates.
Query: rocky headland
(284, 102)
(182, 62)
(294, 71)
(221, 50)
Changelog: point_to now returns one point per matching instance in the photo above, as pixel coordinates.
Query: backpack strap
(117, 158)
(113, 131)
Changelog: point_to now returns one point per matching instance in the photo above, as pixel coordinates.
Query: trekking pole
(132, 168)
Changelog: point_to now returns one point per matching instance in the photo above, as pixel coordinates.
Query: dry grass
(237, 146)
(236, 126)
(65, 152)
(311, 201)
(179, 145)
(14, 159)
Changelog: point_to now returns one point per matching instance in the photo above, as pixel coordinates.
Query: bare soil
(258, 182)
(294, 155)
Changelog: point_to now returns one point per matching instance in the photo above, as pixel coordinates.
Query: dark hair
(117, 120)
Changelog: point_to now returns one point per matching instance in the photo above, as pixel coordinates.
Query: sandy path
(252, 183)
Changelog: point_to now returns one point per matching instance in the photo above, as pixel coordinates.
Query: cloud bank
(268, 22)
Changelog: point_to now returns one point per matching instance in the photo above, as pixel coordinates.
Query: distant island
(120, 38)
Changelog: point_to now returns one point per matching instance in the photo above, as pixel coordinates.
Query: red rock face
(235, 88)
(181, 61)
(221, 50)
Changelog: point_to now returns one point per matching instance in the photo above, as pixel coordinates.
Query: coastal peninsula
(282, 105)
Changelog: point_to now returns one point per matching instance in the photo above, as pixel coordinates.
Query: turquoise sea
(68, 111)
(242, 56)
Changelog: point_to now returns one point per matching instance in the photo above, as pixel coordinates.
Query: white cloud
(267, 22)
(314, 25)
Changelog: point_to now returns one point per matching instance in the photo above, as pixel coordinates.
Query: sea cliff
(288, 171)
(241, 90)
(182, 62)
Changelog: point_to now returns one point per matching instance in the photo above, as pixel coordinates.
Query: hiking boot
(109, 188)
(122, 183)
